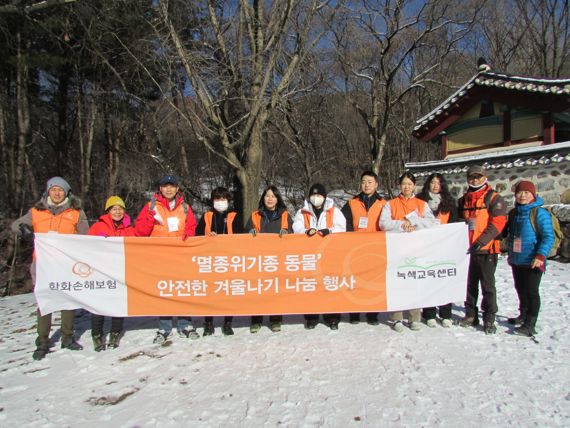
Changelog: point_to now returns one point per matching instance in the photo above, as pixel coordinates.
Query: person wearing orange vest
(219, 221)
(270, 217)
(484, 211)
(58, 211)
(168, 215)
(362, 214)
(115, 222)
(436, 193)
(406, 213)
(319, 216)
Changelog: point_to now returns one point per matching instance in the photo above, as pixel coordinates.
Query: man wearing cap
(168, 215)
(319, 216)
(483, 210)
(58, 211)
(362, 214)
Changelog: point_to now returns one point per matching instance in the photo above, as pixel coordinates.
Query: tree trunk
(23, 115)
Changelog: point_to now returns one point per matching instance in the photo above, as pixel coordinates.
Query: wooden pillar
(443, 145)
(548, 130)
(507, 141)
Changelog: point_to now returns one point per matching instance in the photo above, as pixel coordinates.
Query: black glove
(311, 232)
(324, 232)
(26, 232)
(283, 232)
(474, 248)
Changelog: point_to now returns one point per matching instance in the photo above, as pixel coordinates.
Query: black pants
(97, 324)
(258, 319)
(444, 312)
(211, 319)
(527, 282)
(482, 270)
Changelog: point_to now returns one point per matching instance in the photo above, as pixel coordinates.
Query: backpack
(558, 235)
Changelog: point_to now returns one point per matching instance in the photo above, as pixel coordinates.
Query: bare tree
(386, 50)
(239, 63)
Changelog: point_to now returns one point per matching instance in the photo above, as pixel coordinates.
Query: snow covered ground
(360, 375)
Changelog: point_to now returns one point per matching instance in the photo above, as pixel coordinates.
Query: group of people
(167, 214)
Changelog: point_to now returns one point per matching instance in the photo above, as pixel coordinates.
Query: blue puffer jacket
(532, 243)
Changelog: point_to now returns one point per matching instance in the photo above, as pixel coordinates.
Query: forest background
(112, 94)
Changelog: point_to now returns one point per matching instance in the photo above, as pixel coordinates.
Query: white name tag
(517, 245)
(363, 222)
(173, 223)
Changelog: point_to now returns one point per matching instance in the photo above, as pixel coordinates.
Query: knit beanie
(526, 186)
(114, 200)
(318, 189)
(59, 182)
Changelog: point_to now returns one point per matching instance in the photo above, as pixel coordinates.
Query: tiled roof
(512, 158)
(498, 80)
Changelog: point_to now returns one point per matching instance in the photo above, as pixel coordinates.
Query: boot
(275, 326)
(98, 342)
(372, 319)
(518, 320)
(469, 321)
(528, 327)
(227, 329)
(254, 328)
(489, 327)
(70, 343)
(40, 353)
(208, 328)
(354, 318)
(114, 339)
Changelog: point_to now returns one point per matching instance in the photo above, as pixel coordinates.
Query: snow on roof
(542, 155)
(499, 80)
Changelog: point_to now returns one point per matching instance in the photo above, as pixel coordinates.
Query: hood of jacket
(538, 202)
(71, 201)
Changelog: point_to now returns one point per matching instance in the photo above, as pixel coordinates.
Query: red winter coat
(146, 223)
(106, 227)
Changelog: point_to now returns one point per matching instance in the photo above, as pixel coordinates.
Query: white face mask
(317, 200)
(221, 206)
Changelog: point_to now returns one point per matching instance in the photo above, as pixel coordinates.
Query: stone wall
(552, 181)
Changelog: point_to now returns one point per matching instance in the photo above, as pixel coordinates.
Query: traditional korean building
(516, 127)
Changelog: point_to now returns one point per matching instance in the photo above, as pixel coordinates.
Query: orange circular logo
(82, 269)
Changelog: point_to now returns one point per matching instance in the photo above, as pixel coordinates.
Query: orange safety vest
(359, 210)
(330, 216)
(401, 207)
(229, 221)
(43, 221)
(478, 214)
(256, 220)
(444, 217)
(162, 229)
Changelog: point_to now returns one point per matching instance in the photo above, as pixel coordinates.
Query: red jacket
(107, 227)
(146, 223)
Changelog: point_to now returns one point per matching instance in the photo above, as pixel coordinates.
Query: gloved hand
(26, 232)
(283, 232)
(324, 232)
(474, 248)
(311, 232)
(253, 232)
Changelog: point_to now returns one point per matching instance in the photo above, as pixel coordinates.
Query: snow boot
(415, 325)
(254, 328)
(518, 320)
(311, 324)
(354, 318)
(114, 339)
(161, 337)
(431, 323)
(208, 328)
(469, 321)
(227, 329)
(275, 327)
(398, 326)
(71, 344)
(372, 319)
(446, 323)
(333, 324)
(489, 327)
(190, 333)
(40, 353)
(98, 342)
(528, 327)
